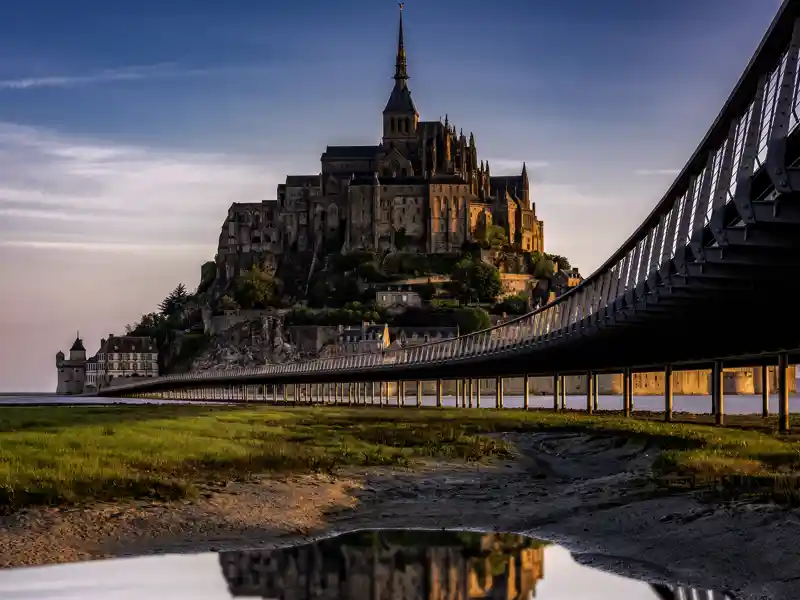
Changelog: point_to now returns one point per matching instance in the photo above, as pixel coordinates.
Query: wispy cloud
(100, 246)
(128, 73)
(649, 172)
(52, 186)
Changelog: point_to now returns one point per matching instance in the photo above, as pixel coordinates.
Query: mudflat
(590, 490)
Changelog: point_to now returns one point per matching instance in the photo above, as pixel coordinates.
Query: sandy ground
(590, 495)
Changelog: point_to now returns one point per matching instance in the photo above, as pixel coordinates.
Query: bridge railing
(746, 137)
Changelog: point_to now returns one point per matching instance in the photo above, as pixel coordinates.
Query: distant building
(122, 357)
(363, 339)
(72, 371)
(397, 300)
(564, 280)
(404, 337)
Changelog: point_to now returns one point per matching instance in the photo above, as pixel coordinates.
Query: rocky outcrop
(252, 343)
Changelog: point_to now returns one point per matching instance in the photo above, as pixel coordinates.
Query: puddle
(365, 565)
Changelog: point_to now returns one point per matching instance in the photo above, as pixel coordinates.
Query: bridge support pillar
(459, 392)
(590, 393)
(526, 392)
(401, 392)
(438, 393)
(627, 392)
(469, 392)
(477, 393)
(595, 392)
(419, 394)
(765, 391)
(563, 387)
(668, 393)
(556, 391)
(717, 393)
(783, 392)
(498, 393)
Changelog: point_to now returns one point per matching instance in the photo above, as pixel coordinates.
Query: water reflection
(406, 565)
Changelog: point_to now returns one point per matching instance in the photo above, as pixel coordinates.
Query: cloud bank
(80, 194)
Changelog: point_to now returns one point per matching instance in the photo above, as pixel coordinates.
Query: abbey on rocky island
(421, 189)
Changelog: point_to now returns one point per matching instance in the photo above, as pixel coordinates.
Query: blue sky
(113, 112)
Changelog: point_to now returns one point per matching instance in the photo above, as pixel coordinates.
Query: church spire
(400, 104)
(400, 67)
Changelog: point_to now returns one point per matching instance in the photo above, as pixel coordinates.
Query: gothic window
(392, 124)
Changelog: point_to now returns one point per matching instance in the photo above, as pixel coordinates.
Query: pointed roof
(78, 344)
(400, 99)
(400, 65)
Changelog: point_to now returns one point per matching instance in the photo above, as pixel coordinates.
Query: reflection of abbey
(422, 188)
(388, 570)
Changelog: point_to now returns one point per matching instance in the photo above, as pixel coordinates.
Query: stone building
(117, 358)
(421, 188)
(122, 357)
(72, 371)
(367, 338)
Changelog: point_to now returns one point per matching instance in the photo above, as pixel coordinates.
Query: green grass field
(59, 455)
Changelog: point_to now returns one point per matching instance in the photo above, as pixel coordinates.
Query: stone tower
(72, 371)
(400, 116)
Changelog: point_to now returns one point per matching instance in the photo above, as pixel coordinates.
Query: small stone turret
(72, 372)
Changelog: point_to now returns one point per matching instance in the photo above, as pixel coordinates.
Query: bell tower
(400, 117)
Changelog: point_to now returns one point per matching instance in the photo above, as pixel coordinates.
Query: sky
(127, 128)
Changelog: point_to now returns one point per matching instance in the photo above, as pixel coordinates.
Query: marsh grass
(66, 455)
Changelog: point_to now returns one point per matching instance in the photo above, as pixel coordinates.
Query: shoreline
(587, 493)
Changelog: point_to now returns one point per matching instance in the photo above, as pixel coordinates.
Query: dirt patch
(590, 494)
(249, 512)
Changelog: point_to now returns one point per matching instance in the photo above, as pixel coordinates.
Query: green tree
(470, 319)
(227, 303)
(255, 289)
(475, 281)
(544, 269)
(563, 262)
(512, 305)
(426, 291)
(496, 237)
(173, 304)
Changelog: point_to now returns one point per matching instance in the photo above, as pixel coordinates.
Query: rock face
(250, 344)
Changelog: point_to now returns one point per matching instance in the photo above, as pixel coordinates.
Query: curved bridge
(709, 276)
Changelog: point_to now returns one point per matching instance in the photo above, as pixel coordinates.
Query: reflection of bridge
(693, 287)
(678, 592)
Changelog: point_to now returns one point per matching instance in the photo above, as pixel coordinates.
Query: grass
(65, 455)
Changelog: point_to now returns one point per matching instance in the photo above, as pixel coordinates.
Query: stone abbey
(421, 189)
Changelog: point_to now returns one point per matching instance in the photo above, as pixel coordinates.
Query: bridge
(698, 285)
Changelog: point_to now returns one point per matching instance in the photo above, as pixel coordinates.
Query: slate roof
(302, 180)
(351, 151)
(400, 100)
(128, 344)
(78, 345)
